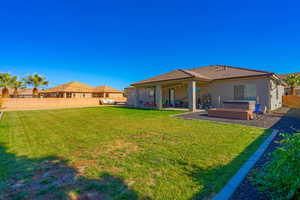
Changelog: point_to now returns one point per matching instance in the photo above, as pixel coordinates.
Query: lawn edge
(231, 186)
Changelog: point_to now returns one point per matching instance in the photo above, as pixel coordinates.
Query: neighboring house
(287, 90)
(80, 90)
(207, 85)
(22, 93)
(69, 90)
(107, 92)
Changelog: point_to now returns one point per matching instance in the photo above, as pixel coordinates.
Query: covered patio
(184, 94)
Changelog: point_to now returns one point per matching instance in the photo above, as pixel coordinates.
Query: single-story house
(209, 85)
(287, 90)
(69, 90)
(19, 93)
(107, 92)
(80, 90)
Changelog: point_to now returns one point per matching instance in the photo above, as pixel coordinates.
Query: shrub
(280, 177)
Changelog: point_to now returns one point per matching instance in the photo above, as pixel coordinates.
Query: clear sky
(117, 42)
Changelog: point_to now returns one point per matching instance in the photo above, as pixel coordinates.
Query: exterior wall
(47, 103)
(224, 90)
(81, 95)
(67, 94)
(115, 95)
(268, 92)
(50, 103)
(143, 93)
(144, 96)
(276, 94)
(131, 96)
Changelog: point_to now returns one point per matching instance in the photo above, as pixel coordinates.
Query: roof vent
(220, 68)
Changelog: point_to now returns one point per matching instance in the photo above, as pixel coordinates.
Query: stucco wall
(224, 90)
(276, 93)
(131, 96)
(51, 103)
(115, 95)
(81, 95)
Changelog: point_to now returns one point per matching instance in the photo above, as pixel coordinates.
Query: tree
(16, 85)
(5, 82)
(36, 81)
(293, 80)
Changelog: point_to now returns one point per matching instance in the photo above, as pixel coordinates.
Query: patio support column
(158, 97)
(64, 95)
(192, 95)
(137, 97)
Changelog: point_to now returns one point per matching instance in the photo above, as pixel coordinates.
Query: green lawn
(118, 153)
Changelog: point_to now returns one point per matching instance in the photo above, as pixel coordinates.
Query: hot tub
(239, 104)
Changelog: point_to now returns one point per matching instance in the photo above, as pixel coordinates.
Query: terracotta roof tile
(70, 87)
(106, 89)
(207, 73)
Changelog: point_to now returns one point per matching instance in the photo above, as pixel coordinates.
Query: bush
(280, 177)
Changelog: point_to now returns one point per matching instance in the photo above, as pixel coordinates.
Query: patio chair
(258, 111)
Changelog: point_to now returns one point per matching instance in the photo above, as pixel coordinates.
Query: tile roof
(207, 73)
(106, 89)
(283, 76)
(70, 87)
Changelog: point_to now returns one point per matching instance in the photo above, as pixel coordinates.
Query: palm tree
(36, 81)
(17, 84)
(293, 80)
(5, 82)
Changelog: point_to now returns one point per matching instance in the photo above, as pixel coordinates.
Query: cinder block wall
(50, 103)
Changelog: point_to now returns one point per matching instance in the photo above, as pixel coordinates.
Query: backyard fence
(51, 103)
(291, 101)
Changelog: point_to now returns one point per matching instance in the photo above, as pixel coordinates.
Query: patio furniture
(257, 111)
(149, 104)
(230, 113)
(107, 101)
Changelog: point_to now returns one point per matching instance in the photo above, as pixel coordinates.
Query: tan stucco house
(80, 90)
(107, 92)
(211, 85)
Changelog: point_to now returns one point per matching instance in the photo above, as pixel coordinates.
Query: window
(150, 92)
(239, 92)
(245, 92)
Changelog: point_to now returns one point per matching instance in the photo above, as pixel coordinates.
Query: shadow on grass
(214, 179)
(52, 178)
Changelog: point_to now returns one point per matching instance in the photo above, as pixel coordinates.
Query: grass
(118, 153)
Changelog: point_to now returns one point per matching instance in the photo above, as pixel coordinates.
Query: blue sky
(119, 42)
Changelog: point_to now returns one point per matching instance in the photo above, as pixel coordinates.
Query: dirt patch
(121, 145)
